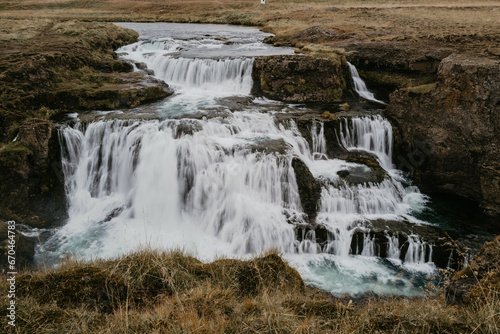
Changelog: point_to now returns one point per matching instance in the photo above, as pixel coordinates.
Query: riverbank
(170, 292)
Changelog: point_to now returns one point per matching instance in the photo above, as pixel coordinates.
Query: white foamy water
(372, 134)
(225, 186)
(360, 86)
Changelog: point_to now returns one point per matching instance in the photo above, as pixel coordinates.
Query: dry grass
(284, 17)
(159, 292)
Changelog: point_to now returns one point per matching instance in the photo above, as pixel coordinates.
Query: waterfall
(230, 75)
(222, 75)
(138, 183)
(393, 252)
(368, 245)
(225, 185)
(370, 133)
(318, 141)
(360, 86)
(416, 250)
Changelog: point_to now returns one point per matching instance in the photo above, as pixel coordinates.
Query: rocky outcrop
(448, 132)
(300, 79)
(130, 90)
(309, 188)
(480, 279)
(70, 66)
(31, 180)
(375, 174)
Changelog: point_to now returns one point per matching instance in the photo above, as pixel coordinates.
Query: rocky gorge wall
(448, 131)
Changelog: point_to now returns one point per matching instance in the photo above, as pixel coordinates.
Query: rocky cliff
(299, 79)
(31, 180)
(448, 131)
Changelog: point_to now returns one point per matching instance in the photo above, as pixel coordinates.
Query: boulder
(376, 173)
(300, 79)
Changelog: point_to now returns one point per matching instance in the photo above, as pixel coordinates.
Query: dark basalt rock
(448, 134)
(376, 173)
(388, 66)
(277, 146)
(309, 188)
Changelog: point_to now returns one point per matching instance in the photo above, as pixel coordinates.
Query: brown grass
(159, 292)
(370, 19)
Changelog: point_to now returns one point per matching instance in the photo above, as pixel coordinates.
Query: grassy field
(370, 19)
(172, 292)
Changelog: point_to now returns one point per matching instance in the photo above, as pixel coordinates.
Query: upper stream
(213, 171)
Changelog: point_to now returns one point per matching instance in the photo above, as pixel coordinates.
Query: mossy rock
(300, 79)
(480, 280)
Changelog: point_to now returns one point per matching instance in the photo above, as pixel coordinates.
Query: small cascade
(219, 75)
(393, 251)
(368, 246)
(360, 86)
(318, 141)
(384, 200)
(145, 48)
(416, 253)
(372, 134)
(308, 244)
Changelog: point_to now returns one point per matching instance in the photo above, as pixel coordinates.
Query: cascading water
(225, 186)
(224, 75)
(360, 86)
(370, 133)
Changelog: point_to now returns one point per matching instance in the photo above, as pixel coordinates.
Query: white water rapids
(225, 186)
(360, 86)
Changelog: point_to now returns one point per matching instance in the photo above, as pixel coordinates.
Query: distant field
(467, 22)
